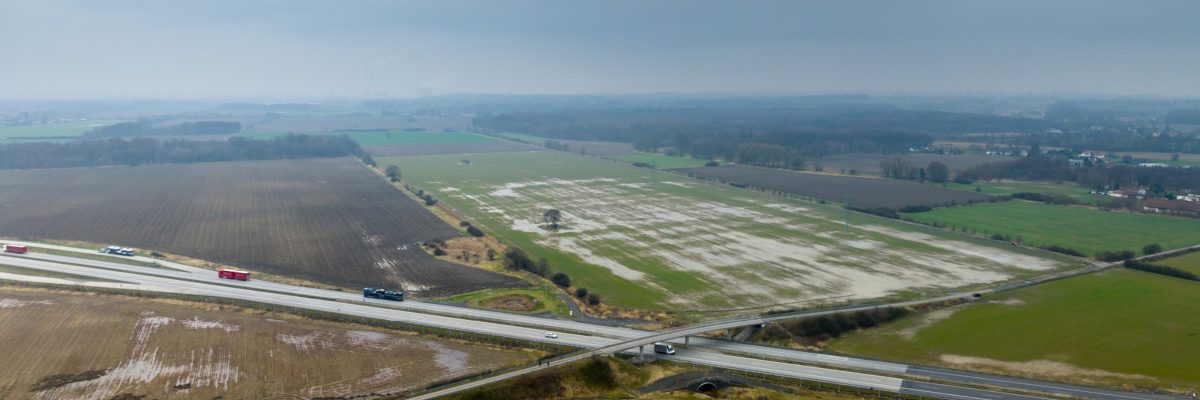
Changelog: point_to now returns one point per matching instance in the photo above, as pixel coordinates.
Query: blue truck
(393, 295)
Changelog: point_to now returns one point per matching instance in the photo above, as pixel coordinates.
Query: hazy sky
(316, 49)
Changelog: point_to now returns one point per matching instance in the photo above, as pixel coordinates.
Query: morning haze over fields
(614, 199)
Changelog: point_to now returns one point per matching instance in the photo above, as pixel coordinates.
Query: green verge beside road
(1118, 327)
(1085, 229)
(542, 299)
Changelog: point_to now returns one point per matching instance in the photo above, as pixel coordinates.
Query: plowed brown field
(325, 220)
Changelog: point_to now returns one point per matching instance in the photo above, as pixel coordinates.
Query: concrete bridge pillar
(685, 341)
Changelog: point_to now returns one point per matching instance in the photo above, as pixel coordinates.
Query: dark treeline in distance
(141, 151)
(147, 128)
(1057, 168)
(773, 137)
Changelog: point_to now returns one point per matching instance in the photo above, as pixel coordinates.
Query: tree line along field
(382, 143)
(1189, 262)
(1084, 229)
(868, 164)
(1113, 328)
(646, 239)
(1002, 188)
(661, 161)
(858, 191)
(388, 137)
(591, 148)
(157, 348)
(325, 220)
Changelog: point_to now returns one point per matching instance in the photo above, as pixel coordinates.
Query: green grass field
(1119, 321)
(651, 240)
(1076, 192)
(661, 161)
(1080, 228)
(1188, 262)
(380, 138)
(26, 133)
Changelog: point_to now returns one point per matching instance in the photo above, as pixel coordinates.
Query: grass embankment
(1084, 229)
(661, 161)
(528, 301)
(385, 137)
(1118, 327)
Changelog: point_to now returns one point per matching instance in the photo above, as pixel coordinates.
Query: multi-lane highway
(178, 278)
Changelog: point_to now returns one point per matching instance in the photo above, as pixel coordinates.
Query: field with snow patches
(646, 239)
(60, 345)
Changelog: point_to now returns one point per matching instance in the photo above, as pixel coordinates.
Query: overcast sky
(316, 49)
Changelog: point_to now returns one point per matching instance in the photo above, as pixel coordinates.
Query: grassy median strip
(95, 256)
(51, 274)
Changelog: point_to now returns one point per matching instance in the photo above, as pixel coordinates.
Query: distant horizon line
(712, 94)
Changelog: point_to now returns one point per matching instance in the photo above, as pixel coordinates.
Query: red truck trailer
(12, 248)
(233, 274)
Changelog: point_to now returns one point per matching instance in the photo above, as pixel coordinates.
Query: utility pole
(846, 206)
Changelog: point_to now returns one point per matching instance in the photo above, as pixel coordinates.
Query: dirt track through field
(325, 220)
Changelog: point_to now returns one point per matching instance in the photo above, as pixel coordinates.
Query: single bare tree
(552, 216)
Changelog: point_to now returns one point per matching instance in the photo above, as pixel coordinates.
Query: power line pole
(846, 206)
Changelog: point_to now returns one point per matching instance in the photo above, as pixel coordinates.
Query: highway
(180, 278)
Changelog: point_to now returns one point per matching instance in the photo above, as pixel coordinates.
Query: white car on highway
(552, 335)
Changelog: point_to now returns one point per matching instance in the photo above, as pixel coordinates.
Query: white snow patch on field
(202, 367)
(307, 342)
(449, 359)
(754, 252)
(17, 303)
(197, 323)
(964, 248)
(383, 375)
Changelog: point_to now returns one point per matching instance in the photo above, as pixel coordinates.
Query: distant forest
(146, 128)
(140, 151)
(774, 137)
